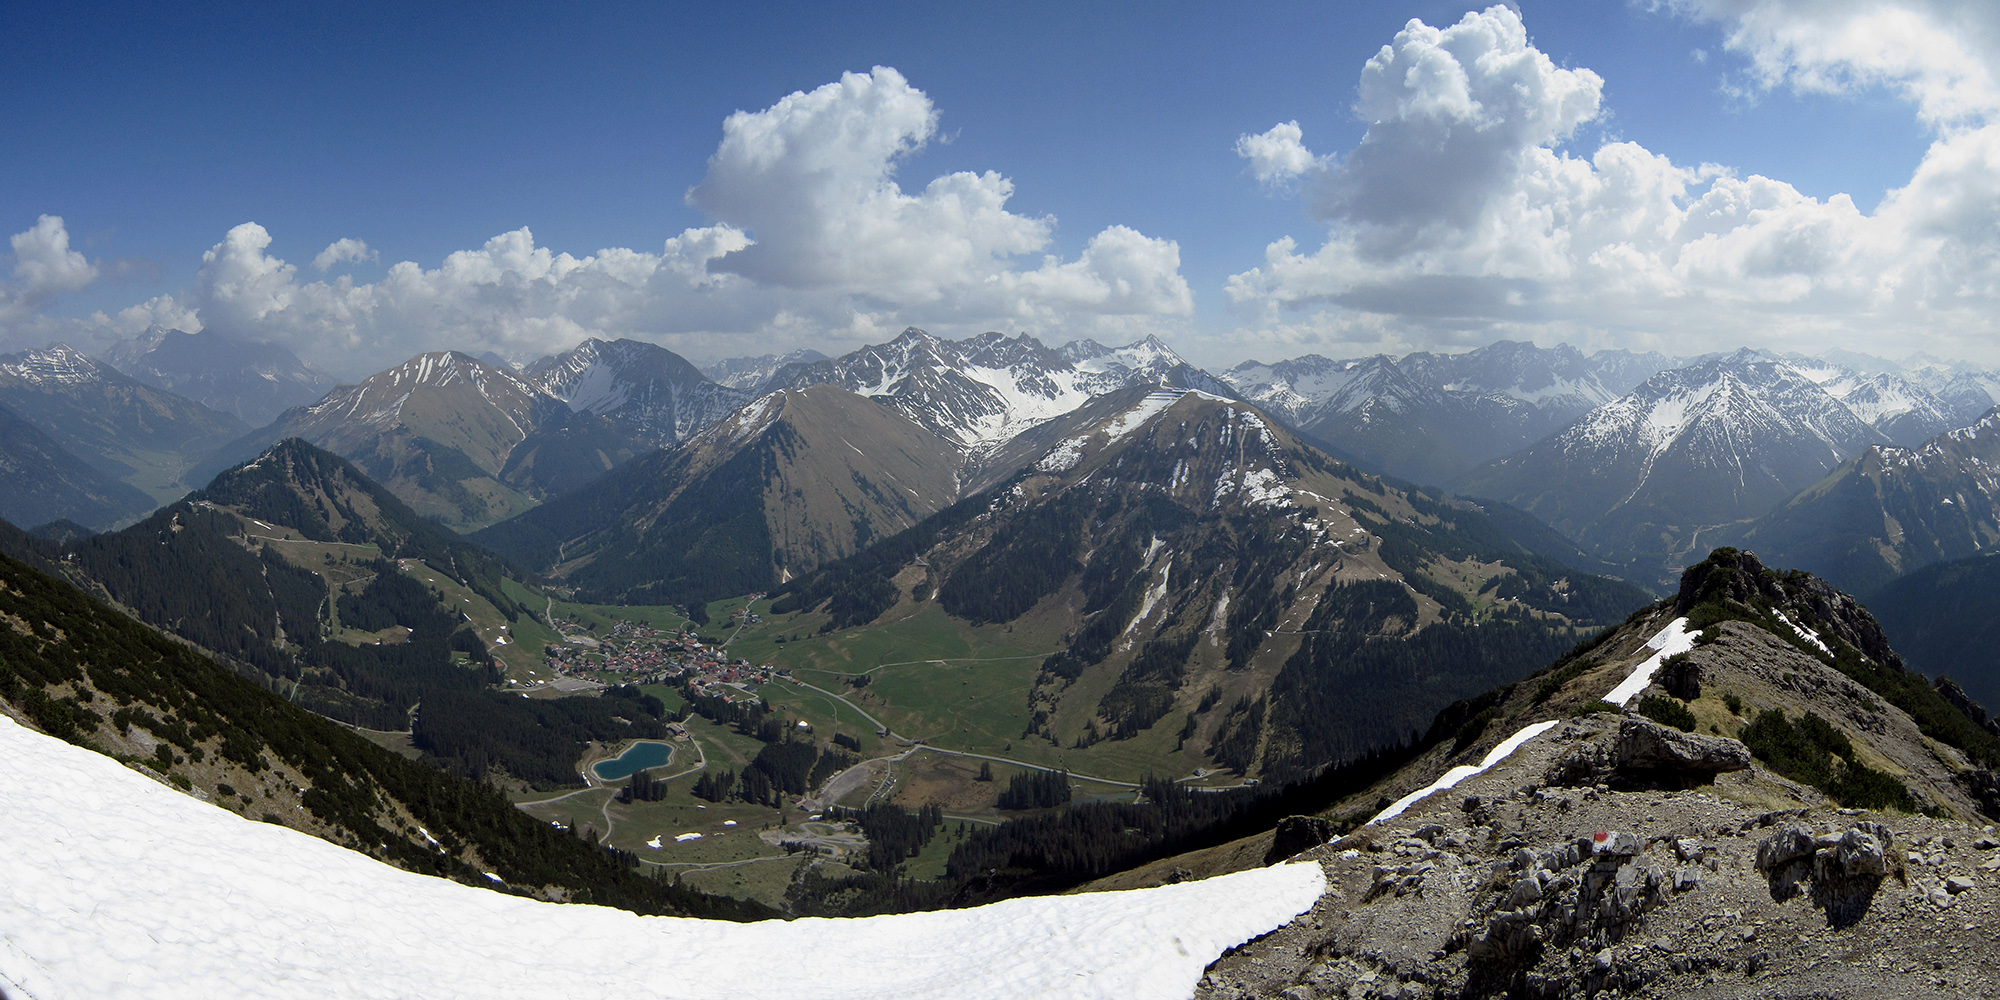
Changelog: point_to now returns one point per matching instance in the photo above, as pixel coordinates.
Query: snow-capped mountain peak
(57, 364)
(647, 386)
(379, 399)
(749, 373)
(984, 390)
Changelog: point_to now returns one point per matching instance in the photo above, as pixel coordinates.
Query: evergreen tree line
(309, 489)
(534, 739)
(188, 570)
(649, 704)
(1055, 851)
(642, 787)
(894, 833)
(857, 589)
(749, 717)
(1036, 790)
(781, 768)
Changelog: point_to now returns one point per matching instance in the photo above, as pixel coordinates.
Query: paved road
(879, 725)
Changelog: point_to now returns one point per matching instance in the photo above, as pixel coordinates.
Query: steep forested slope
(93, 677)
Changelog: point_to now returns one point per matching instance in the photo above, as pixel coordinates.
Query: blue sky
(153, 133)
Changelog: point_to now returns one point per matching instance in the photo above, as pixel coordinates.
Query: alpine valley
(943, 622)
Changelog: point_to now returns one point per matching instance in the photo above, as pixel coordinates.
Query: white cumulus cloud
(43, 261)
(1461, 214)
(814, 242)
(341, 251)
(1278, 155)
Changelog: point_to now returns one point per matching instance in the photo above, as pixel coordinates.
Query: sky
(363, 182)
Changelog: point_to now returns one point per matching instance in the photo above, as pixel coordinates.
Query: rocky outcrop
(1647, 753)
(1298, 834)
(1845, 869)
(1731, 575)
(1955, 695)
(1513, 885)
(1647, 746)
(1680, 676)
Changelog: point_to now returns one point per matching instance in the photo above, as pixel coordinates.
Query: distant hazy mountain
(440, 431)
(793, 480)
(749, 373)
(656, 394)
(1433, 417)
(1218, 577)
(1638, 479)
(981, 391)
(254, 381)
(145, 436)
(40, 483)
(1891, 510)
(1895, 402)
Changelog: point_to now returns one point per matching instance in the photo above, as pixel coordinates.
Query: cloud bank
(814, 241)
(1462, 216)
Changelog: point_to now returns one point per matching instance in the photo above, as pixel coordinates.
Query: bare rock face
(1518, 887)
(1645, 745)
(1680, 676)
(1296, 834)
(1648, 753)
(1845, 869)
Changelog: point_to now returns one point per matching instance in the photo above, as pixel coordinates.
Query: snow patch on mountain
(983, 391)
(1669, 641)
(56, 365)
(119, 887)
(1463, 771)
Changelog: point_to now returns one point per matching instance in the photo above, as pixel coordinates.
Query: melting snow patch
(654, 843)
(136, 890)
(1675, 638)
(1805, 633)
(1062, 457)
(1263, 487)
(1153, 595)
(685, 837)
(1132, 418)
(1464, 771)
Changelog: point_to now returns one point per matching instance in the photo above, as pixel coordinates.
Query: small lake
(638, 757)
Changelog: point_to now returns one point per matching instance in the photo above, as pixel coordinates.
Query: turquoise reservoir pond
(638, 757)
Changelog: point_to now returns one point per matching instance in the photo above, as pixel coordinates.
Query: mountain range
(797, 478)
(40, 482)
(1430, 418)
(979, 392)
(1890, 510)
(1639, 479)
(1207, 567)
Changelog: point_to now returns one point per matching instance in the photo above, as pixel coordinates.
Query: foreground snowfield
(112, 885)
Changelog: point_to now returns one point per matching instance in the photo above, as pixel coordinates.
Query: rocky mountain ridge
(1212, 570)
(1781, 811)
(979, 392)
(1640, 478)
(1891, 510)
(792, 480)
(1430, 418)
(656, 393)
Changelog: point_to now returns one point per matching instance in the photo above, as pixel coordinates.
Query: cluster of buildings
(640, 654)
